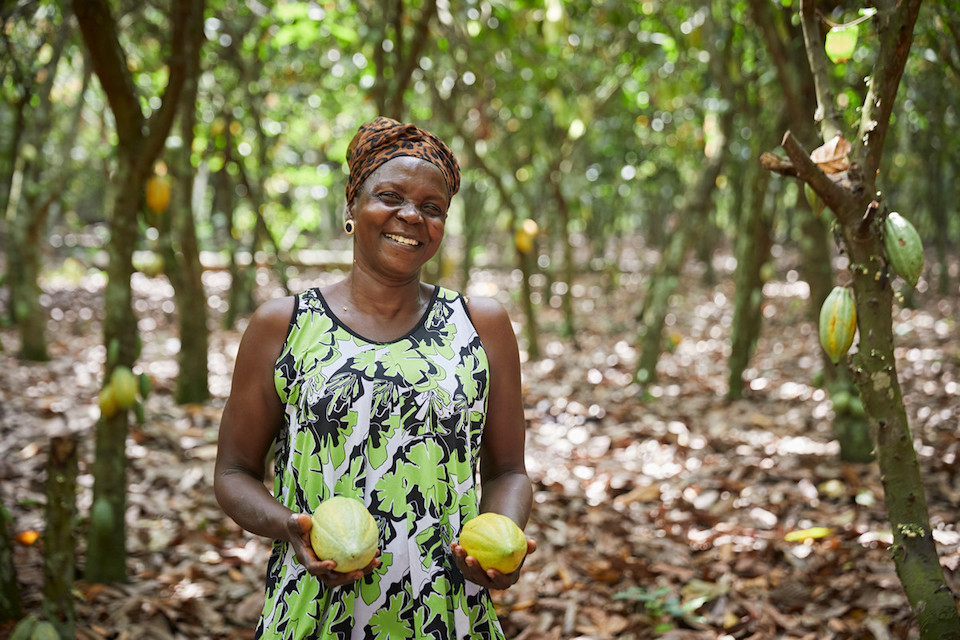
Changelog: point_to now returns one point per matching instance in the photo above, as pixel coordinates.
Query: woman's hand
(491, 579)
(298, 528)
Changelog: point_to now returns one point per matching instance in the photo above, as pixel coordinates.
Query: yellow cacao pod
(345, 532)
(838, 323)
(495, 541)
(903, 247)
(107, 400)
(158, 193)
(523, 240)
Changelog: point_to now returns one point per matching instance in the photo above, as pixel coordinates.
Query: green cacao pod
(813, 199)
(125, 386)
(495, 541)
(345, 532)
(45, 631)
(903, 247)
(838, 323)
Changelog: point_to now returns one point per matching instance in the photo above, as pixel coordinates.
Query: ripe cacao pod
(903, 247)
(345, 532)
(523, 241)
(158, 193)
(107, 400)
(838, 323)
(495, 541)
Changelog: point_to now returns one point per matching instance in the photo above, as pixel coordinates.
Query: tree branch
(838, 198)
(826, 116)
(896, 36)
(99, 32)
(187, 20)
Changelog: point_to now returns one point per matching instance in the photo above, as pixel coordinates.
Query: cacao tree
(788, 58)
(36, 159)
(11, 603)
(140, 140)
(181, 259)
(690, 217)
(844, 172)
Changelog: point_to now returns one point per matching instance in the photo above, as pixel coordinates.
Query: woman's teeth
(402, 240)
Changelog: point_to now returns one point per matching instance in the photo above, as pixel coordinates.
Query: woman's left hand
(491, 579)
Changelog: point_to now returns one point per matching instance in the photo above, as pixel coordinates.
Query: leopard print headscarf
(384, 139)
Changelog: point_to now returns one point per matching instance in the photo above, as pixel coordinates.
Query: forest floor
(659, 512)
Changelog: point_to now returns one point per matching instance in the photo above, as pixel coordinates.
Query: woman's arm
(505, 486)
(248, 427)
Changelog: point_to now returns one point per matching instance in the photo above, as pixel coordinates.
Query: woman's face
(400, 212)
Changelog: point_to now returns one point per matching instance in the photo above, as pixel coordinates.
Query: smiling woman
(386, 389)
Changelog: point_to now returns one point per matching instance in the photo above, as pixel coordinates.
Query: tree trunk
(568, 329)
(665, 279)
(11, 605)
(140, 142)
(59, 555)
(527, 264)
(28, 208)
(106, 555)
(849, 424)
(914, 550)
(861, 218)
(753, 249)
(24, 266)
(472, 223)
(183, 266)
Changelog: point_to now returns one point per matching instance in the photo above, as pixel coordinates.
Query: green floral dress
(397, 425)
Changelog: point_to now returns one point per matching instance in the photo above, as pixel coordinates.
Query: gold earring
(349, 226)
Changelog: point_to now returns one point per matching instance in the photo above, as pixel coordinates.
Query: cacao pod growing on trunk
(903, 247)
(838, 323)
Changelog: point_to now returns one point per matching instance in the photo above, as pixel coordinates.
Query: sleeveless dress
(398, 426)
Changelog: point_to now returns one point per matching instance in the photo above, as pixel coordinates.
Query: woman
(390, 390)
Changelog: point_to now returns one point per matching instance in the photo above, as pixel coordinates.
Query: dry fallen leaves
(651, 492)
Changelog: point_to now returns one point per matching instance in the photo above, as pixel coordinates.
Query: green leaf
(841, 43)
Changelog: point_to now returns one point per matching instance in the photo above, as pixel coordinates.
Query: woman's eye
(390, 197)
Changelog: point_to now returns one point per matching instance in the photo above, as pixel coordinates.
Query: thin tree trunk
(11, 604)
(860, 217)
(183, 266)
(140, 142)
(753, 249)
(563, 211)
(665, 279)
(59, 555)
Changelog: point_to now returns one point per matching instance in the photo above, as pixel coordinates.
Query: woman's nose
(409, 213)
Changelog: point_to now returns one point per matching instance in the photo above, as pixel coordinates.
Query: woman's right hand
(298, 528)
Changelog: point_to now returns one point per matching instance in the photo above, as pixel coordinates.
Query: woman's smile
(410, 242)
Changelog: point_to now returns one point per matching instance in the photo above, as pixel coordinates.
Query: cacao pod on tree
(903, 247)
(158, 193)
(838, 323)
(125, 386)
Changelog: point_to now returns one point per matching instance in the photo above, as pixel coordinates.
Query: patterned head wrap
(384, 139)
